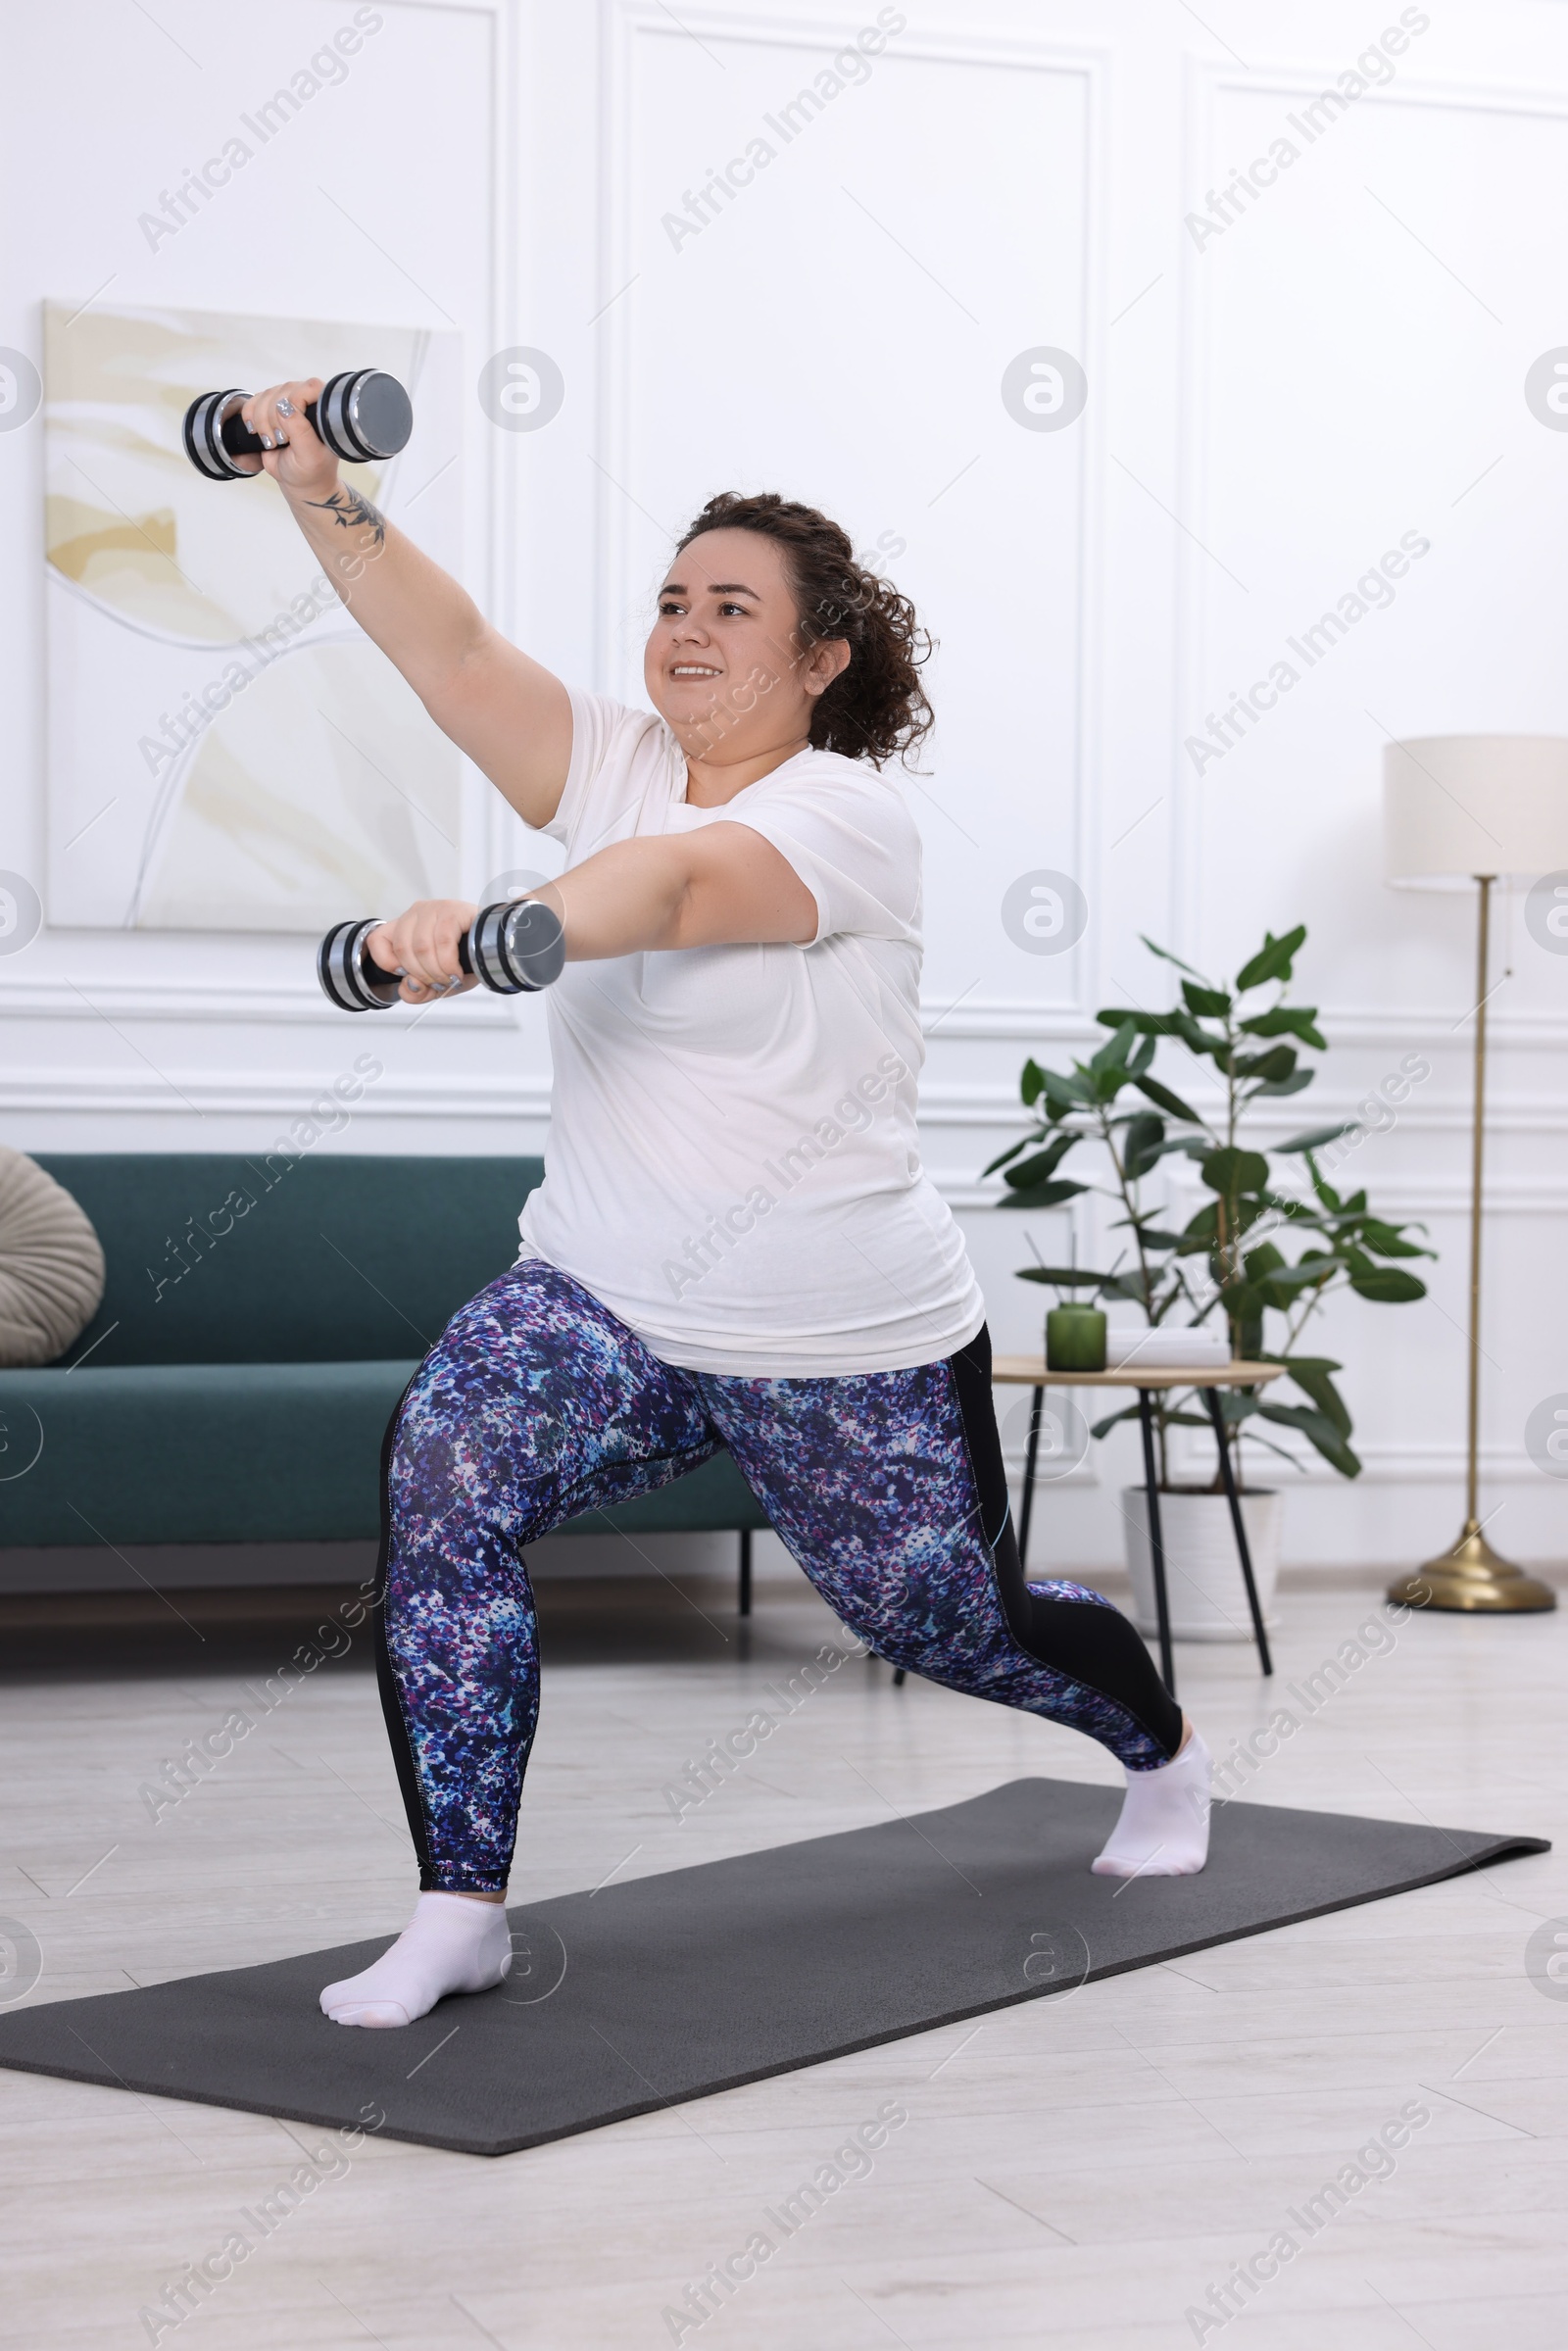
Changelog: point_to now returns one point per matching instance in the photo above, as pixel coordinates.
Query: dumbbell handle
(239, 440)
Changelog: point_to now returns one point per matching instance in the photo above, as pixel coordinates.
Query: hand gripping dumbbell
(514, 948)
(363, 413)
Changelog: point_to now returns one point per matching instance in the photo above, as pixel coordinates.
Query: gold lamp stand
(1472, 1577)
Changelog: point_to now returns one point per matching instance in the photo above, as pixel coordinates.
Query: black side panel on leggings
(397, 1730)
(1097, 1646)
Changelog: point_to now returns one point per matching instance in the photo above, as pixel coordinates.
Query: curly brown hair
(876, 706)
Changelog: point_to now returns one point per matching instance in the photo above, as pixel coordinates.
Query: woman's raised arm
(508, 713)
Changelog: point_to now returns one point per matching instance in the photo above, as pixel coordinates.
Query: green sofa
(260, 1318)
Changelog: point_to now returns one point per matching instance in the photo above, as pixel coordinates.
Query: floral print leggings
(538, 1404)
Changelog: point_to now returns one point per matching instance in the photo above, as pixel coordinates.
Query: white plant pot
(1202, 1572)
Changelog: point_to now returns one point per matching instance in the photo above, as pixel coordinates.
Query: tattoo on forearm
(348, 509)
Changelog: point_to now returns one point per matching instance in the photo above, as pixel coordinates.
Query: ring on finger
(284, 406)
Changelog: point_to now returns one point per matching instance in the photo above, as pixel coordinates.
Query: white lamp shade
(1457, 806)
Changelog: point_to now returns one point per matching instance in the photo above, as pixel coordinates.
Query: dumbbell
(362, 414)
(514, 948)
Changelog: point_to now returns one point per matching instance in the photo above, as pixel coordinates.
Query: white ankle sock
(1163, 1829)
(452, 1943)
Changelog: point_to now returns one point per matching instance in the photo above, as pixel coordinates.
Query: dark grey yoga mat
(671, 1986)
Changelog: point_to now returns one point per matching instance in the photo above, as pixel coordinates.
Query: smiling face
(724, 664)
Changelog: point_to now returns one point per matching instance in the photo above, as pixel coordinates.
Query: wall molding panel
(952, 49)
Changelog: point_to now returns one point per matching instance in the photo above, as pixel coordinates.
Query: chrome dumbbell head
(516, 947)
(205, 445)
(365, 414)
(350, 976)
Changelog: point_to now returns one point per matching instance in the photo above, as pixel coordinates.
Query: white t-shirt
(732, 1165)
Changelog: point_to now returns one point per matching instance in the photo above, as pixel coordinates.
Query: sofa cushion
(246, 1453)
(51, 1266)
(208, 1453)
(217, 1258)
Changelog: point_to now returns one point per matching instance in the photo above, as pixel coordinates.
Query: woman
(734, 1243)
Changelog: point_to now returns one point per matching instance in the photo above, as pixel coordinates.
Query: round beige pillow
(51, 1266)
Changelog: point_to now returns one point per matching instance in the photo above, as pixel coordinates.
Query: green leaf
(1242, 1302)
(1011, 1153)
(1104, 1427)
(1043, 1195)
(1316, 1137)
(1387, 1287)
(1320, 1431)
(1278, 1062)
(1385, 1239)
(1306, 1275)
(1115, 1048)
(1032, 1083)
(1272, 961)
(1199, 1041)
(1296, 1083)
(1044, 1163)
(1167, 957)
(1231, 1171)
(1322, 1187)
(1064, 1095)
(1146, 1024)
(1211, 1003)
(1288, 1020)
(1141, 1144)
(1268, 1444)
(1139, 1058)
(1164, 1099)
(1313, 1379)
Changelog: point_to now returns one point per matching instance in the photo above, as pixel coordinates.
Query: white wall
(1269, 410)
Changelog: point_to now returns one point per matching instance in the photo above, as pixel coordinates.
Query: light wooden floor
(1076, 2172)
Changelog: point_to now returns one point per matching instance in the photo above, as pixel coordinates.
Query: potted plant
(1229, 1261)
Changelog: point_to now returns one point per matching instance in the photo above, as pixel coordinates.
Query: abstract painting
(226, 748)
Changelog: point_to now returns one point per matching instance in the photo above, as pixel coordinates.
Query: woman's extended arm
(721, 886)
(508, 713)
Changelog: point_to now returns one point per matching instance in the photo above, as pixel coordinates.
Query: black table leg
(1031, 1457)
(746, 1571)
(1211, 1399)
(1156, 1544)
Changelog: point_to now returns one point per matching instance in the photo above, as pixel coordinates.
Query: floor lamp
(1464, 810)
